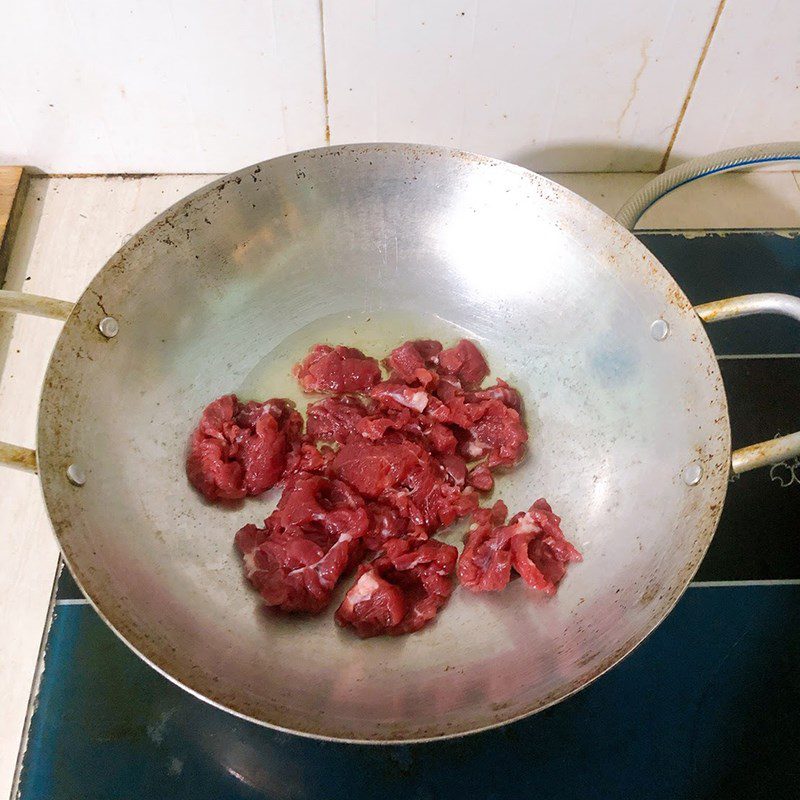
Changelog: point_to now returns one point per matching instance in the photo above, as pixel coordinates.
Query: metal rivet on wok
(659, 330)
(109, 327)
(75, 475)
(692, 474)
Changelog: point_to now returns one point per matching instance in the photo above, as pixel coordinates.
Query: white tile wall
(159, 85)
(559, 85)
(573, 86)
(749, 87)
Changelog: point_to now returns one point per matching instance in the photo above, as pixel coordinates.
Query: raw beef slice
(532, 543)
(403, 474)
(333, 419)
(402, 590)
(415, 362)
(465, 362)
(337, 370)
(306, 544)
(240, 449)
(373, 467)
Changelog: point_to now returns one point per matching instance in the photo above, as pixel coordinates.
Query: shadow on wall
(589, 157)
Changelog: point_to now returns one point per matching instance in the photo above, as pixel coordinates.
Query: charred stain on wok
(99, 301)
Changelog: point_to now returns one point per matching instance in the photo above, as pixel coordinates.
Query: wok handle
(775, 450)
(12, 455)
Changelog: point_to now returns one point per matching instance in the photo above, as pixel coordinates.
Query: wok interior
(370, 246)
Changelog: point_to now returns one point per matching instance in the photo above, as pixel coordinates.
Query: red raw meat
(415, 362)
(498, 433)
(465, 362)
(373, 605)
(437, 410)
(539, 551)
(374, 467)
(436, 436)
(380, 473)
(455, 468)
(376, 426)
(532, 543)
(333, 419)
(485, 562)
(480, 478)
(401, 590)
(501, 391)
(404, 474)
(319, 501)
(306, 544)
(240, 449)
(337, 370)
(428, 498)
(448, 387)
(307, 457)
(386, 523)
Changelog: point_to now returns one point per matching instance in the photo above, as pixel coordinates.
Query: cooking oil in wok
(375, 333)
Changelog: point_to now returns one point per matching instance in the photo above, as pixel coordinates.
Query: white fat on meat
(343, 539)
(473, 450)
(527, 524)
(416, 400)
(362, 589)
(249, 560)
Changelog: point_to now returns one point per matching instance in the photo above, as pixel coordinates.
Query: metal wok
(372, 244)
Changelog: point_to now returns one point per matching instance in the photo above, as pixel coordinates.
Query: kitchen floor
(69, 228)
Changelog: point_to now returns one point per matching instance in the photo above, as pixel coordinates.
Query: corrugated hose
(696, 168)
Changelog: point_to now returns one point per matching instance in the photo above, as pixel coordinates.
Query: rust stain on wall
(635, 85)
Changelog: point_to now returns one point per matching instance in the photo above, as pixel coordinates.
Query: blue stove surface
(708, 706)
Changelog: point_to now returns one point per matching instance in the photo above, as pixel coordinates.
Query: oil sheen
(375, 333)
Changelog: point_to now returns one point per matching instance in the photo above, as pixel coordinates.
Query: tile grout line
(324, 73)
(692, 84)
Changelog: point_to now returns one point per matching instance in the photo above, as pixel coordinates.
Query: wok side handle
(12, 455)
(776, 450)
(35, 305)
